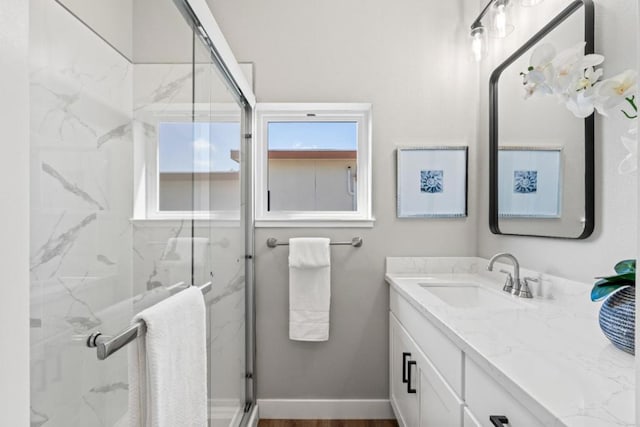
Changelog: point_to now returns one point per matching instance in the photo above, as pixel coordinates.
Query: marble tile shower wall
(81, 173)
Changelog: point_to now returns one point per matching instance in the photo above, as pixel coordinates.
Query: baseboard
(320, 409)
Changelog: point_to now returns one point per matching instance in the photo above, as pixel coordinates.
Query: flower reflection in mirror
(572, 77)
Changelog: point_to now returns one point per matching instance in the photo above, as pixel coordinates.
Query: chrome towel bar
(105, 346)
(356, 242)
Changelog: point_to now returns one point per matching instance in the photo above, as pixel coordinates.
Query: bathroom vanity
(464, 353)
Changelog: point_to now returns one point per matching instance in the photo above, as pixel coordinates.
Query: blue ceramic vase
(618, 317)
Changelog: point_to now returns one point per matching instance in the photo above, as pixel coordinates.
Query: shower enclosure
(140, 175)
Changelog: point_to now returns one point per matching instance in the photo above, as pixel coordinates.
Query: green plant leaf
(599, 293)
(626, 266)
(626, 277)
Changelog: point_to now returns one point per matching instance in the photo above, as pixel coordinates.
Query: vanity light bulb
(501, 21)
(476, 47)
(478, 43)
(501, 25)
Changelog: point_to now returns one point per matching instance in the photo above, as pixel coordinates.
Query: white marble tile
(431, 265)
(81, 174)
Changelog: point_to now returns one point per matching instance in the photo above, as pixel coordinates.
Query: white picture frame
(530, 182)
(432, 182)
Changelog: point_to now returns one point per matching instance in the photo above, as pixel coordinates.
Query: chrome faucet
(513, 284)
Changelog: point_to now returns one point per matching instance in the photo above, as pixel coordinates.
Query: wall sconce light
(479, 42)
(500, 24)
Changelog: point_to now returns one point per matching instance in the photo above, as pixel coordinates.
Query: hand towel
(309, 289)
(309, 252)
(167, 364)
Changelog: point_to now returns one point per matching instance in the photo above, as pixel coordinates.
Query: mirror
(541, 155)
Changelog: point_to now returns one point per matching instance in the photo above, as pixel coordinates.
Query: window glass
(198, 166)
(312, 165)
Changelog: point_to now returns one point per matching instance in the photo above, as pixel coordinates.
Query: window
(313, 165)
(193, 167)
(198, 166)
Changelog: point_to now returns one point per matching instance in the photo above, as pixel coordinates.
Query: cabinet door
(404, 394)
(439, 404)
(469, 420)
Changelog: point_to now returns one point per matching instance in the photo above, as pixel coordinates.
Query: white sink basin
(470, 295)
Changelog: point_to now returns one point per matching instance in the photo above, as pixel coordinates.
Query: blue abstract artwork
(525, 182)
(431, 181)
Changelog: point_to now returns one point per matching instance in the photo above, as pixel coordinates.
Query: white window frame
(147, 201)
(306, 112)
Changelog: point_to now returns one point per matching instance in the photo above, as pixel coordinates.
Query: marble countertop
(549, 352)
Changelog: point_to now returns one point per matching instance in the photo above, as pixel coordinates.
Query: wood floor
(327, 423)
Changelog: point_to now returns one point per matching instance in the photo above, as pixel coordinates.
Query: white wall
(410, 60)
(111, 19)
(14, 217)
(615, 234)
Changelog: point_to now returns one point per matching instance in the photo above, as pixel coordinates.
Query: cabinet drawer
(485, 397)
(434, 344)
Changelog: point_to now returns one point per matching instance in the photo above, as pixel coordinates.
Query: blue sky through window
(198, 147)
(313, 135)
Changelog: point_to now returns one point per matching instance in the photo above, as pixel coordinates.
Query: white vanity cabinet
(433, 384)
(419, 394)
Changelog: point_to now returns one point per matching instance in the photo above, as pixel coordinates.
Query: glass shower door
(136, 192)
(218, 183)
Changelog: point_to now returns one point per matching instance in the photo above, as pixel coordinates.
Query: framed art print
(529, 182)
(432, 182)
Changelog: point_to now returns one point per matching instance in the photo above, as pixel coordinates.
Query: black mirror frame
(589, 181)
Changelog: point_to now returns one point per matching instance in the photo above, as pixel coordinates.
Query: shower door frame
(199, 16)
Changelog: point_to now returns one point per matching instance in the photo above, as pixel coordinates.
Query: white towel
(167, 365)
(309, 252)
(309, 289)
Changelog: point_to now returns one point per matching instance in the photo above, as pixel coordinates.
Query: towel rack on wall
(105, 346)
(356, 242)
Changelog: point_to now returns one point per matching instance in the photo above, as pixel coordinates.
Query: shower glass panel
(137, 190)
(218, 189)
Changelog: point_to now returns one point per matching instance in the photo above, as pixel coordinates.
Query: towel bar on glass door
(356, 242)
(105, 346)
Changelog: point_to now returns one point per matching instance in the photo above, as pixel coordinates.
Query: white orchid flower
(613, 92)
(581, 100)
(570, 66)
(572, 77)
(581, 104)
(540, 72)
(542, 56)
(590, 77)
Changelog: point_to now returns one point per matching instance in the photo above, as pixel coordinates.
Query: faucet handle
(508, 283)
(524, 291)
